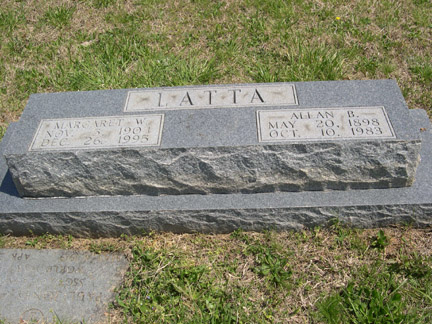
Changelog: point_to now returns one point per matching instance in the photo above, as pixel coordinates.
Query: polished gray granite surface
(249, 138)
(133, 214)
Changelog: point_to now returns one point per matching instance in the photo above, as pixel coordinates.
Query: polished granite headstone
(248, 156)
(57, 286)
(226, 139)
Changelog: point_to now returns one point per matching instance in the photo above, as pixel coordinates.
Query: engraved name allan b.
(323, 124)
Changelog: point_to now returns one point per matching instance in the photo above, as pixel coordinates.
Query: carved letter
(273, 126)
(160, 100)
(235, 94)
(273, 133)
(256, 95)
(140, 121)
(186, 99)
(210, 95)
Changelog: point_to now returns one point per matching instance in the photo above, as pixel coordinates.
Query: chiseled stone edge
(338, 165)
(112, 224)
(113, 216)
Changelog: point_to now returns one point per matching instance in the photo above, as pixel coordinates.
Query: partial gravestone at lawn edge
(58, 285)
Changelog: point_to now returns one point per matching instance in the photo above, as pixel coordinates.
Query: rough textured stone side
(339, 165)
(111, 224)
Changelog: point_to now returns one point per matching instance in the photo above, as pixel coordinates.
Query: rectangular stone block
(211, 97)
(252, 138)
(350, 123)
(103, 132)
(50, 286)
(105, 216)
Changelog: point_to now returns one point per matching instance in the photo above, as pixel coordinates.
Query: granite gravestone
(189, 147)
(51, 286)
(215, 158)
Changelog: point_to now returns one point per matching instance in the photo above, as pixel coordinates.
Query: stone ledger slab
(225, 139)
(113, 216)
(50, 286)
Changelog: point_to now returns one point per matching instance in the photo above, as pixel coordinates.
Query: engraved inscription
(32, 315)
(323, 124)
(211, 97)
(98, 132)
(76, 286)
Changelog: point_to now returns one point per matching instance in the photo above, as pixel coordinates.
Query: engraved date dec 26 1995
(98, 132)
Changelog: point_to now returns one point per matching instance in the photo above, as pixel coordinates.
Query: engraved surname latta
(323, 124)
(211, 97)
(98, 132)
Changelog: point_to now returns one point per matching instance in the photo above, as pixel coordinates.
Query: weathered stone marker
(215, 158)
(46, 286)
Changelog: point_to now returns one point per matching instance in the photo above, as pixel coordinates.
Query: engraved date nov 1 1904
(98, 132)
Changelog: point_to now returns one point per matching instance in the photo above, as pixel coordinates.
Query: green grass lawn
(331, 275)
(335, 275)
(53, 45)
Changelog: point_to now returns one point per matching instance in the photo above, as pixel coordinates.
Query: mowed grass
(323, 275)
(54, 45)
(335, 275)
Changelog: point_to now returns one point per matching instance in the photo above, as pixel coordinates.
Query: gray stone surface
(98, 132)
(211, 97)
(206, 151)
(246, 169)
(113, 216)
(52, 286)
(342, 123)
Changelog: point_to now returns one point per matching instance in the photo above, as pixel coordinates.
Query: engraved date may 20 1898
(323, 124)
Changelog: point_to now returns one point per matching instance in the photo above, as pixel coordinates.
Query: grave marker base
(116, 215)
(304, 136)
